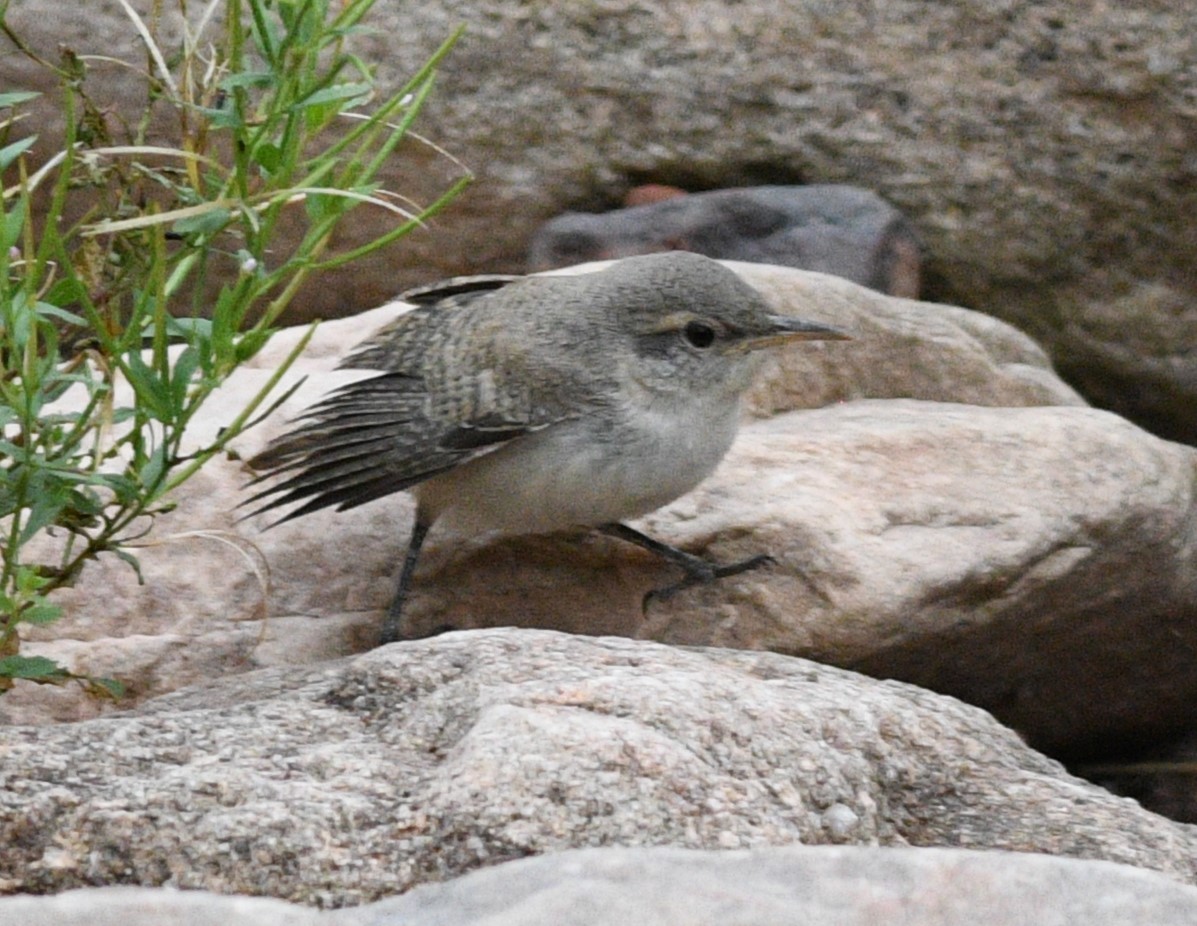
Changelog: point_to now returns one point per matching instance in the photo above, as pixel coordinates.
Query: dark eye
(699, 334)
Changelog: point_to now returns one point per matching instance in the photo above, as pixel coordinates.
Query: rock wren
(534, 404)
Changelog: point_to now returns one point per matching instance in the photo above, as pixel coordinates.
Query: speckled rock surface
(356, 779)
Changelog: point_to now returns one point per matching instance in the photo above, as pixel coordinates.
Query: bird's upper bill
(782, 329)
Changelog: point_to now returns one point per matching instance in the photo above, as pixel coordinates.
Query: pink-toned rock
(651, 193)
(987, 535)
(351, 780)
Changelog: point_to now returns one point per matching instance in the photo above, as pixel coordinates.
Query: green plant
(274, 119)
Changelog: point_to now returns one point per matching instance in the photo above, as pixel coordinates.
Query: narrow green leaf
(225, 322)
(250, 343)
(13, 223)
(265, 30)
(17, 97)
(151, 472)
(10, 450)
(109, 687)
(190, 329)
(206, 223)
(151, 392)
(184, 369)
(10, 153)
(47, 505)
(349, 15)
(321, 206)
(228, 118)
(41, 613)
(66, 292)
(249, 79)
(127, 557)
(269, 156)
(125, 490)
(358, 92)
(34, 667)
(46, 310)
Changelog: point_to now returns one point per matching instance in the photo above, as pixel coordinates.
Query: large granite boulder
(355, 779)
(953, 515)
(980, 532)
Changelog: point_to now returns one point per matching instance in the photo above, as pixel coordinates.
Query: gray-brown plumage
(531, 404)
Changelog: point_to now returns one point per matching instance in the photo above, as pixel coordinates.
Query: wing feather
(421, 416)
(368, 440)
(460, 289)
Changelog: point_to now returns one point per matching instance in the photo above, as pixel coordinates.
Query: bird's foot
(398, 633)
(697, 571)
(703, 572)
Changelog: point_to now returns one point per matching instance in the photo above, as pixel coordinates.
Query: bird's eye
(699, 334)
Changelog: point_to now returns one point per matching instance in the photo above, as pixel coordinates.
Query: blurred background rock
(1044, 154)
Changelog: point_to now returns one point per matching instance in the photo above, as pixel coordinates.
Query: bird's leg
(698, 571)
(392, 626)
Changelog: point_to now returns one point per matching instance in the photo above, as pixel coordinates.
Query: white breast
(580, 474)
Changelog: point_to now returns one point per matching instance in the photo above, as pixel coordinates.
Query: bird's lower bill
(786, 337)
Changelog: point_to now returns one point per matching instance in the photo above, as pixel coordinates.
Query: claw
(702, 572)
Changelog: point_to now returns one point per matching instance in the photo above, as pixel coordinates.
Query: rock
(795, 886)
(1163, 777)
(798, 885)
(1043, 152)
(135, 906)
(356, 779)
(650, 193)
(210, 578)
(842, 230)
(1038, 561)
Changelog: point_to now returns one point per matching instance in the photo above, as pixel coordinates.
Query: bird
(532, 404)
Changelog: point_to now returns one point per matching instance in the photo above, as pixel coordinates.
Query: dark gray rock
(846, 231)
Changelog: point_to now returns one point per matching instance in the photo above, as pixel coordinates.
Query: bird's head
(693, 321)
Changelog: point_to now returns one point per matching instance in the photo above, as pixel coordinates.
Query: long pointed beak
(783, 329)
(798, 330)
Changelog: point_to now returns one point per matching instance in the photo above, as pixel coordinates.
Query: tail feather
(343, 497)
(366, 440)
